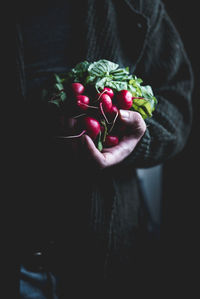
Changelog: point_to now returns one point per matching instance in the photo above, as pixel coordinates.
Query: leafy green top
(104, 73)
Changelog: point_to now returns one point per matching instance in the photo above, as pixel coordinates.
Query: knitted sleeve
(165, 66)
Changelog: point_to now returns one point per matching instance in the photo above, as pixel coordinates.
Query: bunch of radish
(92, 93)
(97, 114)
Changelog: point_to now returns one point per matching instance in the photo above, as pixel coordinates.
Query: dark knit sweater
(138, 34)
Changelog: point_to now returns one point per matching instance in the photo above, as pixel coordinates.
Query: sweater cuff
(141, 153)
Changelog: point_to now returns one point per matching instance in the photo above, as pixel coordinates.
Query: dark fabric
(51, 40)
(21, 85)
(161, 61)
(138, 34)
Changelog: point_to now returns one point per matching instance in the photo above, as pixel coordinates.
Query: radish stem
(100, 96)
(101, 108)
(76, 116)
(114, 121)
(94, 107)
(72, 136)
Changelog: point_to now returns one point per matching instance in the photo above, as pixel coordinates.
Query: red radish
(106, 103)
(111, 140)
(92, 127)
(108, 91)
(82, 101)
(77, 88)
(113, 112)
(124, 99)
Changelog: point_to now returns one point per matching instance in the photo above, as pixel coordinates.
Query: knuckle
(137, 117)
(127, 149)
(140, 123)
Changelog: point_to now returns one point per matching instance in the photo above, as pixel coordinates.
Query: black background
(182, 172)
(180, 228)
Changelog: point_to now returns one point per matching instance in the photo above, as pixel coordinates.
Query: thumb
(133, 120)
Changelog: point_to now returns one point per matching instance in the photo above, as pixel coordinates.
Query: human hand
(111, 156)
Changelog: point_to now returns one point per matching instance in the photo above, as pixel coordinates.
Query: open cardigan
(134, 33)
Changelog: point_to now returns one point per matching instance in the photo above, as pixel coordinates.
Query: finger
(113, 155)
(124, 147)
(134, 121)
(118, 153)
(103, 159)
(94, 153)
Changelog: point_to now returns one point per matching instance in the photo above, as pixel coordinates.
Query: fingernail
(124, 113)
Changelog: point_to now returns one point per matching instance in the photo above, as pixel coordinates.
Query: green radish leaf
(99, 143)
(78, 72)
(89, 79)
(134, 85)
(57, 77)
(100, 83)
(148, 94)
(81, 68)
(55, 102)
(117, 85)
(102, 67)
(143, 106)
(140, 110)
(63, 96)
(147, 90)
(59, 86)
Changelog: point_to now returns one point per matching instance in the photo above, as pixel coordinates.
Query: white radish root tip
(72, 136)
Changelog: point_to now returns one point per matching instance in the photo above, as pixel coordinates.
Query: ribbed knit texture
(21, 86)
(101, 40)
